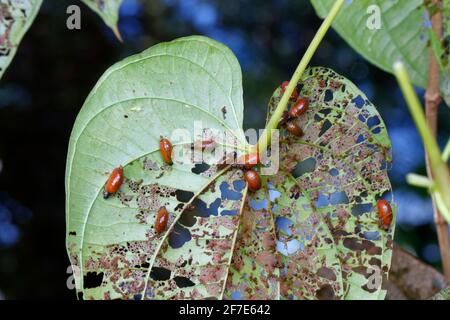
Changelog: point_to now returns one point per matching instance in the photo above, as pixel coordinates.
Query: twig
(432, 101)
(411, 278)
(264, 140)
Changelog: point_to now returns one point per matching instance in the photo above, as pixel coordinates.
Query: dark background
(55, 68)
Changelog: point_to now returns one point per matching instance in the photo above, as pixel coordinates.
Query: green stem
(439, 168)
(446, 152)
(419, 181)
(265, 138)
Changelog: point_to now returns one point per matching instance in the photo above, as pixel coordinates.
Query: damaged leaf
(15, 19)
(108, 10)
(112, 243)
(328, 241)
(254, 271)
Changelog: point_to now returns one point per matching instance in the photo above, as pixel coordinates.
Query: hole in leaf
(179, 236)
(358, 101)
(239, 185)
(334, 172)
(93, 279)
(200, 168)
(184, 196)
(305, 166)
(227, 193)
(258, 205)
(283, 223)
(229, 213)
(339, 197)
(372, 235)
(160, 274)
(361, 208)
(373, 121)
(328, 95)
(326, 125)
(183, 282)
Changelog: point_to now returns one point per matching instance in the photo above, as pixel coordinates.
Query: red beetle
(299, 108)
(253, 180)
(161, 220)
(294, 129)
(165, 147)
(385, 213)
(114, 182)
(294, 95)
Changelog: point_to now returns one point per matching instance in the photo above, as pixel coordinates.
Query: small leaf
(168, 87)
(109, 11)
(15, 19)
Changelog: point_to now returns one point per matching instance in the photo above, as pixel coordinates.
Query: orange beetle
(161, 220)
(253, 180)
(299, 108)
(294, 95)
(114, 182)
(385, 213)
(165, 147)
(294, 129)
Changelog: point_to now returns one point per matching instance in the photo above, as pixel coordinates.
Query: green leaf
(108, 11)
(323, 202)
(403, 36)
(15, 19)
(112, 242)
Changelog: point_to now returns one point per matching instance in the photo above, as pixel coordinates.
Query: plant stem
(419, 181)
(265, 138)
(432, 101)
(446, 152)
(440, 170)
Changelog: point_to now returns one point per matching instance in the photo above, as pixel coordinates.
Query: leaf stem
(446, 152)
(437, 169)
(432, 101)
(440, 169)
(419, 181)
(265, 138)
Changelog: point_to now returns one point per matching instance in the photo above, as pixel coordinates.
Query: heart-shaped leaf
(15, 19)
(322, 202)
(384, 32)
(109, 11)
(112, 243)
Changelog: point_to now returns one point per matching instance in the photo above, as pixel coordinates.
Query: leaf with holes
(112, 244)
(15, 19)
(384, 32)
(108, 10)
(327, 243)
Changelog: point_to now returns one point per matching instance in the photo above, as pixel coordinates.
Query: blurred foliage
(55, 68)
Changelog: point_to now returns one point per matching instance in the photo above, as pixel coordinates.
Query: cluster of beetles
(249, 161)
